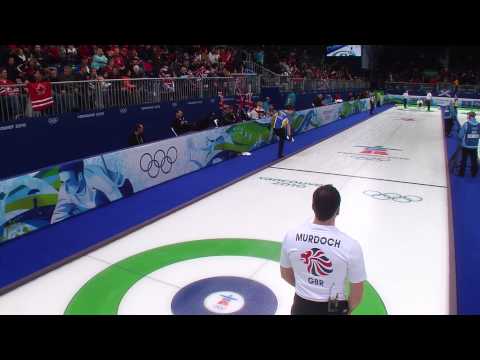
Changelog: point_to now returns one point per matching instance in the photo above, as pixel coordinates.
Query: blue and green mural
(30, 202)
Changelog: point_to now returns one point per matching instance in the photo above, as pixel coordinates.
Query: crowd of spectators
(23, 64)
(442, 75)
(85, 62)
(429, 65)
(245, 109)
(301, 63)
(93, 62)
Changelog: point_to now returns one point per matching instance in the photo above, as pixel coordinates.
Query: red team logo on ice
(317, 263)
(375, 150)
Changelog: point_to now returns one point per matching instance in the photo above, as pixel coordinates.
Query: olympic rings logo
(392, 196)
(160, 161)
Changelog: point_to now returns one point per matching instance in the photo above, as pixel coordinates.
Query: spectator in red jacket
(5, 84)
(127, 83)
(109, 68)
(85, 51)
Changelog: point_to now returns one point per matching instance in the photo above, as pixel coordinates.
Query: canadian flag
(245, 101)
(8, 88)
(40, 94)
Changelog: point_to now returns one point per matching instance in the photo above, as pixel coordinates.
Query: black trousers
(473, 155)
(302, 306)
(404, 103)
(372, 107)
(282, 134)
(448, 126)
(428, 102)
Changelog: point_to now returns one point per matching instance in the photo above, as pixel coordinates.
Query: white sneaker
(246, 153)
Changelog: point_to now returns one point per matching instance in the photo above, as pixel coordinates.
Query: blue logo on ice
(224, 295)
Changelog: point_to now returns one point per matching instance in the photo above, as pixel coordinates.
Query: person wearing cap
(318, 259)
(469, 136)
(280, 125)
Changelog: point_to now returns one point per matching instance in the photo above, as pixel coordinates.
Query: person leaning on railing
(40, 94)
(9, 99)
(69, 90)
(99, 60)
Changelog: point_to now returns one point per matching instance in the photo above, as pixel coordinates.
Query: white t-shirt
(322, 258)
(429, 96)
(405, 95)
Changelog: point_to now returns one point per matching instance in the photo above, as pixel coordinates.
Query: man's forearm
(290, 280)
(356, 293)
(288, 276)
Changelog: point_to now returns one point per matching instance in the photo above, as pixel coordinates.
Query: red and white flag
(221, 103)
(8, 88)
(40, 94)
(245, 101)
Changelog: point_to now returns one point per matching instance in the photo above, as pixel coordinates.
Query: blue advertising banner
(34, 143)
(38, 199)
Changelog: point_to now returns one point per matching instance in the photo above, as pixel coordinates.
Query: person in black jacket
(229, 116)
(212, 120)
(318, 101)
(179, 124)
(136, 138)
(12, 70)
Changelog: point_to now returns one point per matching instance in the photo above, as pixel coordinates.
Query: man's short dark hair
(289, 107)
(137, 126)
(326, 202)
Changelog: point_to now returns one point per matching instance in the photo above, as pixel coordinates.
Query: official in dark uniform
(469, 136)
(281, 127)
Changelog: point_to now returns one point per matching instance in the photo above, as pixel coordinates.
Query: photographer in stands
(318, 101)
(229, 117)
(136, 138)
(179, 124)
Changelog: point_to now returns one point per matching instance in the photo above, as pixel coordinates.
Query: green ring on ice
(102, 294)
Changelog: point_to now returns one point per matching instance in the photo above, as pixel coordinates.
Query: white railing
(423, 87)
(93, 95)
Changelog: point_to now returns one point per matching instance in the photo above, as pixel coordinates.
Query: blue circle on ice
(224, 295)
